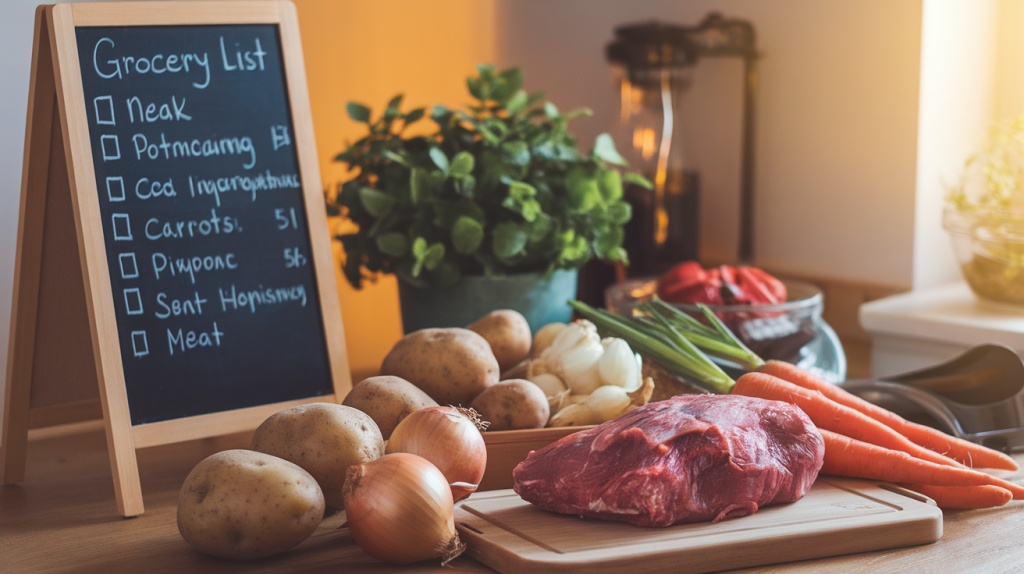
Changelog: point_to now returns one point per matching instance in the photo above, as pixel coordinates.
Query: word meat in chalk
(186, 340)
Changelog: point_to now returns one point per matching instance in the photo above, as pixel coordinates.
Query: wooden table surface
(63, 519)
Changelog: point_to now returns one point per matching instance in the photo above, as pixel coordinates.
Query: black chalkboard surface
(204, 226)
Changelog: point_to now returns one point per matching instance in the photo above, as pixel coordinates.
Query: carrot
(845, 456)
(828, 414)
(963, 497)
(966, 452)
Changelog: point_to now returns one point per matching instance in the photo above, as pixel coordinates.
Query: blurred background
(864, 108)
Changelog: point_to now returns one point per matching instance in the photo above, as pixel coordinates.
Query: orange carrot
(828, 414)
(963, 497)
(845, 456)
(969, 453)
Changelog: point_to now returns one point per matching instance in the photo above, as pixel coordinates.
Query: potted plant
(495, 208)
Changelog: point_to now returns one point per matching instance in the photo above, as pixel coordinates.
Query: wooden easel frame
(57, 128)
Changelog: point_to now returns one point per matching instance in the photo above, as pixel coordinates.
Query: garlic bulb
(588, 380)
(549, 383)
(619, 365)
(608, 401)
(557, 402)
(571, 335)
(604, 404)
(575, 416)
(544, 337)
(572, 357)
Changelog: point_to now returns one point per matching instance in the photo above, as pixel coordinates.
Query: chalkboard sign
(204, 223)
(173, 245)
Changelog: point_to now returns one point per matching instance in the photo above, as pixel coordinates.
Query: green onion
(678, 355)
(677, 341)
(717, 341)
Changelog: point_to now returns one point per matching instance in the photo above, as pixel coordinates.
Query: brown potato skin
(512, 405)
(244, 505)
(509, 335)
(453, 366)
(324, 439)
(388, 400)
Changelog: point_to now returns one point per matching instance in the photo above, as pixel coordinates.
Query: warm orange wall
(368, 51)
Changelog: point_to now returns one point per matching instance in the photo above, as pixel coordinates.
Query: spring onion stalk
(717, 340)
(708, 343)
(676, 353)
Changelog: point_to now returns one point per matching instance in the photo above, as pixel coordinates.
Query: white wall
(957, 102)
(836, 145)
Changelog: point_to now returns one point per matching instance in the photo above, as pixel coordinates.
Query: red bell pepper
(690, 283)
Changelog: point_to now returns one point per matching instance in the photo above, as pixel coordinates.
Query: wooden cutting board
(837, 516)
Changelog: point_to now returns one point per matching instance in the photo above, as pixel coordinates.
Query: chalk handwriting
(192, 306)
(279, 136)
(191, 340)
(152, 113)
(195, 148)
(121, 66)
(145, 189)
(286, 219)
(293, 257)
(215, 225)
(191, 265)
(261, 296)
(263, 182)
(250, 63)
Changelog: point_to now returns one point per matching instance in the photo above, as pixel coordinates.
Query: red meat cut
(690, 458)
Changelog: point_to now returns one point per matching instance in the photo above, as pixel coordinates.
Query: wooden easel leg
(35, 174)
(59, 20)
(45, 177)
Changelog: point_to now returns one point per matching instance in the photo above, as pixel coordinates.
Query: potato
(245, 504)
(513, 404)
(453, 366)
(324, 439)
(508, 333)
(387, 400)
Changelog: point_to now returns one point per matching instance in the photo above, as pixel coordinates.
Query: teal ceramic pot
(541, 300)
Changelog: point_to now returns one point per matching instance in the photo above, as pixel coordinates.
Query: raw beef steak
(690, 458)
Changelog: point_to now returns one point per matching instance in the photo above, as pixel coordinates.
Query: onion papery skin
(449, 440)
(400, 510)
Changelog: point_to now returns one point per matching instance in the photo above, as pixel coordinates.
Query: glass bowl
(989, 246)
(793, 331)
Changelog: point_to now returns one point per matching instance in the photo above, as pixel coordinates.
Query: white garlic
(618, 365)
(571, 335)
(544, 337)
(575, 416)
(588, 380)
(608, 401)
(556, 402)
(573, 357)
(604, 404)
(548, 382)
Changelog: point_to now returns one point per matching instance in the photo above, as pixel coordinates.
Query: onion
(400, 510)
(450, 440)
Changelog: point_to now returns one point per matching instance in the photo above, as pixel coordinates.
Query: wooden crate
(506, 449)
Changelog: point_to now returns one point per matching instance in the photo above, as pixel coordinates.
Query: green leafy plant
(993, 176)
(500, 187)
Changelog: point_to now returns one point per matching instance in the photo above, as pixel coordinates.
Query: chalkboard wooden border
(57, 84)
